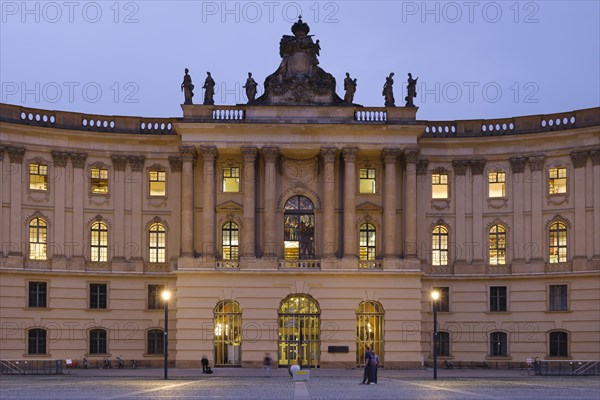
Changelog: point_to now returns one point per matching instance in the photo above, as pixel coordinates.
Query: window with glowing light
(157, 182)
(439, 186)
(558, 243)
(497, 245)
(299, 229)
(367, 242)
(38, 176)
(366, 180)
(157, 243)
(227, 333)
(497, 184)
(37, 239)
(369, 330)
(99, 242)
(99, 180)
(231, 241)
(439, 245)
(557, 180)
(299, 331)
(231, 179)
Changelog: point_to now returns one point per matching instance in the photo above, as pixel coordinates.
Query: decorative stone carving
(188, 153)
(175, 162)
(78, 159)
(15, 154)
(422, 166)
(299, 80)
(389, 155)
(579, 158)
(536, 163)
(136, 163)
(270, 153)
(119, 162)
(249, 153)
(477, 166)
(460, 167)
(411, 156)
(60, 158)
(595, 156)
(209, 153)
(517, 164)
(2, 149)
(350, 154)
(329, 154)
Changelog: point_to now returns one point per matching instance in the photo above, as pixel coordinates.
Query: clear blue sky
(474, 59)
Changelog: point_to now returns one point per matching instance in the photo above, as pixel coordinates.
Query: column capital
(78, 159)
(422, 166)
(175, 162)
(328, 154)
(119, 162)
(350, 154)
(411, 156)
(579, 158)
(60, 158)
(536, 163)
(15, 154)
(188, 153)
(477, 166)
(270, 153)
(249, 153)
(517, 164)
(2, 149)
(209, 153)
(136, 163)
(460, 167)
(389, 155)
(595, 156)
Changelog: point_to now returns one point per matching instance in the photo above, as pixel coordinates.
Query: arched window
(558, 242)
(98, 341)
(369, 330)
(497, 245)
(36, 341)
(99, 242)
(299, 331)
(367, 242)
(156, 341)
(498, 344)
(443, 344)
(228, 332)
(37, 239)
(439, 245)
(231, 241)
(559, 344)
(157, 243)
(299, 229)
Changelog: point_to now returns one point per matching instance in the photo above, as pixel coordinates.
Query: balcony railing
(299, 264)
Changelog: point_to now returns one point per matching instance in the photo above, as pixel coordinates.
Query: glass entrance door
(299, 331)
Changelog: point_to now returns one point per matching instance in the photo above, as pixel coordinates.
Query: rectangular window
(557, 299)
(155, 300)
(36, 341)
(98, 295)
(367, 180)
(37, 294)
(497, 184)
(231, 179)
(99, 180)
(443, 303)
(38, 176)
(98, 341)
(156, 342)
(158, 183)
(498, 299)
(439, 186)
(557, 180)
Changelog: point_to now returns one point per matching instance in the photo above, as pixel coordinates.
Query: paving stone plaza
(323, 385)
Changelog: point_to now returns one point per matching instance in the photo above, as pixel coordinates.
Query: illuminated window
(557, 180)
(99, 180)
(230, 241)
(557, 298)
(227, 319)
(38, 176)
(439, 186)
(558, 243)
(155, 300)
(439, 246)
(367, 180)
(157, 243)
(156, 341)
(498, 344)
(299, 229)
(157, 181)
(37, 239)
(367, 242)
(36, 341)
(231, 179)
(99, 242)
(98, 341)
(98, 295)
(559, 344)
(497, 184)
(497, 245)
(37, 294)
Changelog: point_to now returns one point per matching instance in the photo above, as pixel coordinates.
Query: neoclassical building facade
(307, 231)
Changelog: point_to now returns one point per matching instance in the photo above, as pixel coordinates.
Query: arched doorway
(299, 331)
(228, 332)
(369, 330)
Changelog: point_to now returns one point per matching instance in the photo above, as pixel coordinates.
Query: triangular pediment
(230, 206)
(368, 206)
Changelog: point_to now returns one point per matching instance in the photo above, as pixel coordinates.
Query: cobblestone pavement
(343, 385)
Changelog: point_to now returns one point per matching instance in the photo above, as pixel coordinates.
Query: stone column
(188, 157)
(79, 194)
(595, 156)
(411, 157)
(389, 157)
(60, 159)
(350, 245)
(209, 155)
(17, 176)
(270, 155)
(579, 160)
(460, 196)
(517, 167)
(136, 163)
(537, 247)
(478, 245)
(329, 154)
(249, 202)
(2, 194)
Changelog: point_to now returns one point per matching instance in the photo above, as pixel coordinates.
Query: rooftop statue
(299, 80)
(209, 90)
(250, 87)
(350, 88)
(187, 87)
(411, 90)
(388, 91)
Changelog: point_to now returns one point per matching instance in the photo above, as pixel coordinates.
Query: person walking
(373, 367)
(366, 374)
(267, 365)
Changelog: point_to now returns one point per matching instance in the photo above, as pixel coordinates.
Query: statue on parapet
(388, 91)
(350, 88)
(187, 87)
(411, 90)
(250, 87)
(209, 90)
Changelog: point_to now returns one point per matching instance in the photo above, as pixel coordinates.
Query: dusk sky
(474, 60)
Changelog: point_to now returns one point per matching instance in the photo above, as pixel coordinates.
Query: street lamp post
(435, 295)
(166, 295)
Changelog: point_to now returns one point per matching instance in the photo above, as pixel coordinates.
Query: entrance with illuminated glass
(299, 229)
(228, 333)
(299, 331)
(369, 330)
